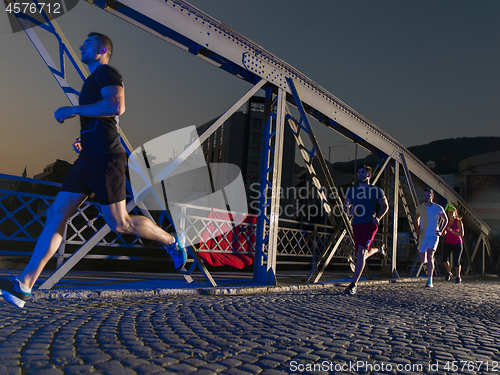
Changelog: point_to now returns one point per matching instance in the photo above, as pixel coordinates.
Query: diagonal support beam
(331, 252)
(474, 253)
(318, 155)
(309, 157)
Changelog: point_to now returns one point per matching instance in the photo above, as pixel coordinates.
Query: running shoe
(429, 284)
(448, 277)
(10, 289)
(458, 280)
(351, 289)
(381, 252)
(177, 251)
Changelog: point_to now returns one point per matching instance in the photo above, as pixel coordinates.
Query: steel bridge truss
(190, 29)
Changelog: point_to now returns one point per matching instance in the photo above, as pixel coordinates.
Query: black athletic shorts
(104, 175)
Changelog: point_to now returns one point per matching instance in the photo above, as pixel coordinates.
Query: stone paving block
(325, 353)
(52, 371)
(250, 344)
(338, 343)
(307, 357)
(403, 361)
(268, 363)
(264, 349)
(272, 372)
(240, 348)
(63, 352)
(134, 362)
(253, 369)
(490, 353)
(181, 368)
(235, 371)
(37, 362)
(360, 355)
(286, 352)
(148, 369)
(35, 346)
(203, 372)
(122, 371)
(418, 347)
(35, 352)
(109, 365)
(6, 370)
(124, 357)
(96, 358)
(381, 358)
(372, 351)
(8, 362)
(246, 358)
(165, 361)
(213, 367)
(11, 351)
(87, 350)
(79, 369)
(198, 342)
(276, 357)
(230, 362)
(179, 355)
(140, 350)
(66, 360)
(196, 362)
(301, 349)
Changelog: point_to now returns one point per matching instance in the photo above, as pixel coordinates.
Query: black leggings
(457, 253)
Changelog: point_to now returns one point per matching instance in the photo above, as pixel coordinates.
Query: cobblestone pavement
(399, 328)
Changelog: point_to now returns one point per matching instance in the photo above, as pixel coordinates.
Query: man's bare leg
(430, 262)
(363, 255)
(428, 257)
(63, 207)
(120, 221)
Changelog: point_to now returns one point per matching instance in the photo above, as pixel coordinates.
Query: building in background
(478, 182)
(55, 172)
(239, 141)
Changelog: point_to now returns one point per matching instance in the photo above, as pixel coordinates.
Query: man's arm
(416, 223)
(444, 223)
(77, 146)
(384, 207)
(348, 209)
(111, 104)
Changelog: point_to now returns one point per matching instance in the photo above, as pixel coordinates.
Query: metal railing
(209, 230)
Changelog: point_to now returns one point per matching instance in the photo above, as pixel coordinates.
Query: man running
(428, 229)
(100, 168)
(361, 201)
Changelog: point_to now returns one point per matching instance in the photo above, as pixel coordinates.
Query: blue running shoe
(11, 291)
(177, 251)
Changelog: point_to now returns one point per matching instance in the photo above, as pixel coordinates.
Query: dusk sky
(420, 70)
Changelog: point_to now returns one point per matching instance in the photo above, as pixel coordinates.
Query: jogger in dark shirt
(100, 168)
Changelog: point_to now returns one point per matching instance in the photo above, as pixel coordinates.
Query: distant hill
(446, 153)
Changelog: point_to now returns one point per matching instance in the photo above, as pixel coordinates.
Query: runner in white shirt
(429, 231)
